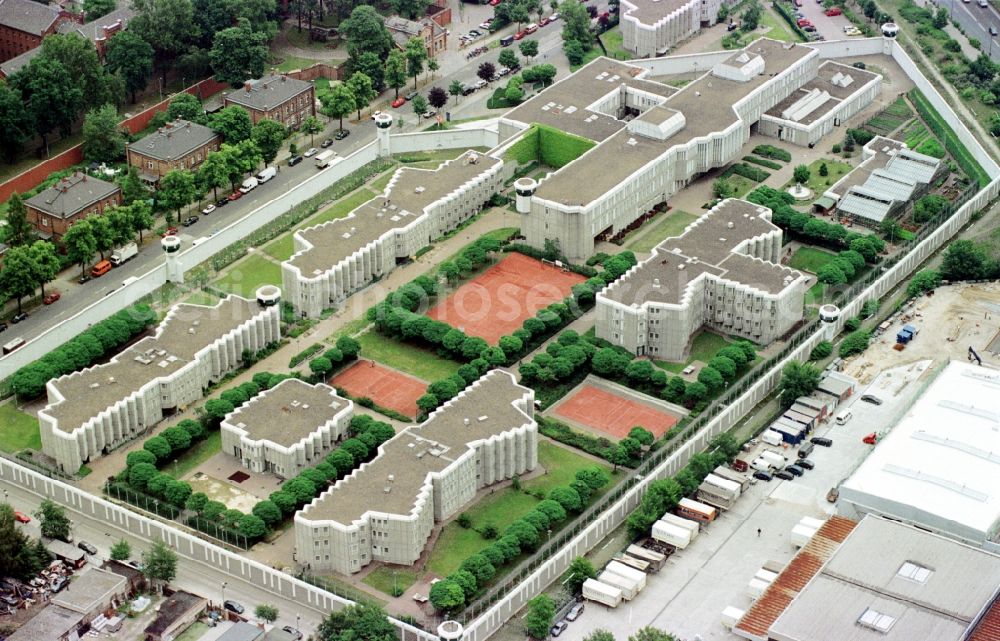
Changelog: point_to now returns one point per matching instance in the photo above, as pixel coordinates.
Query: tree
(79, 243)
(541, 611)
(455, 89)
(45, 263)
(480, 567)
(831, 274)
(928, 207)
(801, 174)
(923, 281)
(15, 122)
(576, 24)
(337, 102)
(133, 189)
(751, 17)
(579, 571)
(131, 57)
(964, 260)
(78, 56)
(103, 141)
(167, 25)
(365, 31)
(94, 9)
(363, 89)
(17, 279)
(416, 56)
(486, 71)
(529, 49)
(567, 497)
(176, 190)
(52, 98)
(159, 564)
(821, 351)
(268, 512)
(54, 522)
(213, 172)
(446, 595)
(419, 104)
(411, 9)
(373, 67)
(266, 612)
(320, 367)
(600, 634)
(798, 379)
(823, 170)
(509, 59)
(395, 70)
(121, 550)
(233, 124)
(268, 135)
(437, 97)
(18, 230)
(312, 126)
(574, 52)
(366, 621)
(890, 229)
(651, 634)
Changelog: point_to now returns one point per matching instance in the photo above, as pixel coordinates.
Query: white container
(731, 616)
(810, 522)
(731, 486)
(801, 535)
(629, 573)
(123, 253)
(680, 521)
(760, 464)
(629, 588)
(654, 558)
(756, 588)
(671, 534)
(609, 595)
(771, 438)
(766, 575)
(773, 458)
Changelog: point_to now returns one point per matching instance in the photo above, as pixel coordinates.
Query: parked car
(574, 612)
(485, 26)
(190, 220)
(310, 152)
(993, 30)
(430, 113)
(87, 547)
(208, 210)
(833, 11)
(326, 143)
(822, 441)
(3, 327)
(58, 584)
(236, 195)
(553, 17)
(874, 400)
(795, 470)
(806, 464)
(170, 231)
(234, 606)
(21, 517)
(410, 95)
(531, 28)
(520, 35)
(293, 632)
(342, 133)
(784, 475)
(480, 83)
(222, 202)
(558, 628)
(809, 28)
(51, 297)
(294, 160)
(762, 476)
(543, 22)
(19, 317)
(399, 102)
(375, 114)
(804, 22)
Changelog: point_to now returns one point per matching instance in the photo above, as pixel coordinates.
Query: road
(976, 22)
(192, 576)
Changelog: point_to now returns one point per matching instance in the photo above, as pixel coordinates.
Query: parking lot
(829, 27)
(688, 595)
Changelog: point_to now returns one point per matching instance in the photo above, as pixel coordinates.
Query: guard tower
(525, 188)
(383, 125)
(171, 246)
(828, 316)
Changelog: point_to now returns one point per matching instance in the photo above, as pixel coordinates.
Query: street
(976, 22)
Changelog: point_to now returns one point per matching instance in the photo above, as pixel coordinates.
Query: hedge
(593, 445)
(762, 162)
(304, 354)
(944, 133)
(747, 171)
(770, 151)
(82, 351)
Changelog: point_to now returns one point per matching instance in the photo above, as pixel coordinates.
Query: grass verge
(390, 581)
(20, 430)
(195, 456)
(410, 359)
(248, 274)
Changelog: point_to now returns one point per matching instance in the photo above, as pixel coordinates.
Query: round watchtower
(525, 188)
(383, 126)
(450, 631)
(268, 295)
(828, 316)
(171, 246)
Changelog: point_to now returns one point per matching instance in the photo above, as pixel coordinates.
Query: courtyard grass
(280, 249)
(561, 465)
(379, 184)
(818, 184)
(778, 29)
(409, 359)
(613, 41)
(741, 185)
(292, 63)
(339, 209)
(195, 456)
(703, 348)
(385, 579)
(814, 296)
(20, 430)
(671, 224)
(248, 274)
(201, 297)
(810, 259)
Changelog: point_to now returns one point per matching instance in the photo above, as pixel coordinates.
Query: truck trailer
(734, 476)
(609, 595)
(325, 159)
(632, 562)
(687, 524)
(628, 587)
(627, 572)
(715, 496)
(124, 253)
(696, 510)
(671, 534)
(652, 557)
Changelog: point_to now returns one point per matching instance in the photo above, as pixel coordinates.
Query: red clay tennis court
(612, 414)
(385, 386)
(497, 302)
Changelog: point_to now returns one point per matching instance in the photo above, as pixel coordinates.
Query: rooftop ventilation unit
(730, 224)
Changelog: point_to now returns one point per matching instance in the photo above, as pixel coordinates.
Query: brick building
(23, 24)
(176, 145)
(433, 34)
(73, 198)
(281, 98)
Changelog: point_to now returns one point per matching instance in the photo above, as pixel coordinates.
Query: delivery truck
(772, 437)
(124, 253)
(609, 595)
(777, 461)
(629, 573)
(696, 510)
(325, 159)
(687, 524)
(671, 534)
(652, 557)
(628, 587)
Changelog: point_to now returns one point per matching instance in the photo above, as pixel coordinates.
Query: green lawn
(282, 248)
(291, 63)
(835, 171)
(810, 259)
(201, 297)
(195, 632)
(340, 208)
(671, 224)
(742, 185)
(20, 430)
(385, 579)
(500, 234)
(613, 40)
(379, 184)
(505, 506)
(204, 450)
(422, 363)
(704, 347)
(815, 295)
(248, 274)
(778, 29)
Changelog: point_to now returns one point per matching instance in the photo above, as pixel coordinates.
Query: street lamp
(297, 623)
(223, 595)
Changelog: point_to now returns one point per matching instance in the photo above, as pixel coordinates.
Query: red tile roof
(766, 610)
(988, 628)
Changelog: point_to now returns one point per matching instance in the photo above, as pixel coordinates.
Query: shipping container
(725, 484)
(771, 437)
(731, 616)
(692, 526)
(715, 496)
(628, 587)
(801, 535)
(638, 564)
(671, 534)
(652, 557)
(695, 510)
(609, 595)
(733, 475)
(629, 573)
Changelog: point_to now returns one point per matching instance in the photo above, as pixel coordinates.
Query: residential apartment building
(386, 509)
(276, 97)
(177, 145)
(287, 428)
(723, 273)
(25, 23)
(651, 27)
(93, 411)
(435, 36)
(651, 139)
(336, 258)
(73, 198)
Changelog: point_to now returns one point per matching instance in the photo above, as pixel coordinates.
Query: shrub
(770, 151)
(821, 351)
(854, 343)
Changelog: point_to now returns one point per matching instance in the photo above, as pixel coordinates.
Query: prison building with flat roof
(386, 509)
(94, 410)
(651, 27)
(287, 428)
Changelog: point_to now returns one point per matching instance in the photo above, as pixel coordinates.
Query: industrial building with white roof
(386, 509)
(939, 466)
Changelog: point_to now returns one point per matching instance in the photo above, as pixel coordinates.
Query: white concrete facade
(735, 285)
(94, 410)
(287, 428)
(651, 27)
(386, 509)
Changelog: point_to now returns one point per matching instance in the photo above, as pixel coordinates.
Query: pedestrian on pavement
(758, 533)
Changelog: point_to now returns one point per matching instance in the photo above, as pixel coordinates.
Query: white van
(267, 174)
(249, 185)
(843, 417)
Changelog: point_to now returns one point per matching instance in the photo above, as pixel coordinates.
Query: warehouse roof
(395, 481)
(91, 589)
(174, 140)
(940, 462)
(50, 624)
(72, 194)
(288, 412)
(268, 92)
